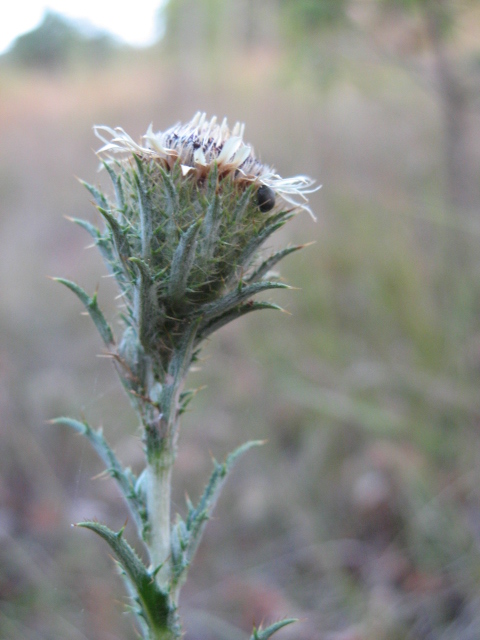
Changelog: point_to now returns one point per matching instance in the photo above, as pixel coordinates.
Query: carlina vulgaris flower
(201, 143)
(183, 235)
(194, 206)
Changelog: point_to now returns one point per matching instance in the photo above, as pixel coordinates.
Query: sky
(131, 20)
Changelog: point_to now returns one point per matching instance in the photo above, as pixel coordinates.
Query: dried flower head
(183, 235)
(199, 145)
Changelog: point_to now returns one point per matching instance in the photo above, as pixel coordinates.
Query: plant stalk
(158, 491)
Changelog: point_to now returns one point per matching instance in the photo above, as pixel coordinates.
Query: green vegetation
(58, 43)
(364, 518)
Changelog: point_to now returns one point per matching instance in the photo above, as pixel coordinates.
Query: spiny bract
(192, 207)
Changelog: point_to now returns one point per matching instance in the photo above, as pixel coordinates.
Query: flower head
(199, 145)
(184, 233)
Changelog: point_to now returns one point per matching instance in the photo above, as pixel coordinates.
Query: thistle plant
(182, 235)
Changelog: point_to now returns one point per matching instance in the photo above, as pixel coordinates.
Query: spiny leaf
(185, 398)
(272, 261)
(103, 242)
(242, 205)
(145, 209)
(211, 224)
(234, 298)
(182, 357)
(233, 314)
(178, 368)
(274, 223)
(124, 477)
(98, 196)
(154, 602)
(182, 262)
(198, 516)
(171, 200)
(90, 228)
(143, 268)
(146, 305)
(264, 634)
(212, 182)
(117, 185)
(93, 309)
(120, 238)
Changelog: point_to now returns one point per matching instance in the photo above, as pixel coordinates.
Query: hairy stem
(158, 489)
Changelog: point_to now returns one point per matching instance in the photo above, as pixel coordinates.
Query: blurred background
(361, 515)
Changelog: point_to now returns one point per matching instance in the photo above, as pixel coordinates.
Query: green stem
(158, 490)
(162, 634)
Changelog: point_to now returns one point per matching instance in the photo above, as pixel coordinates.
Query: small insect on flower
(265, 198)
(201, 144)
